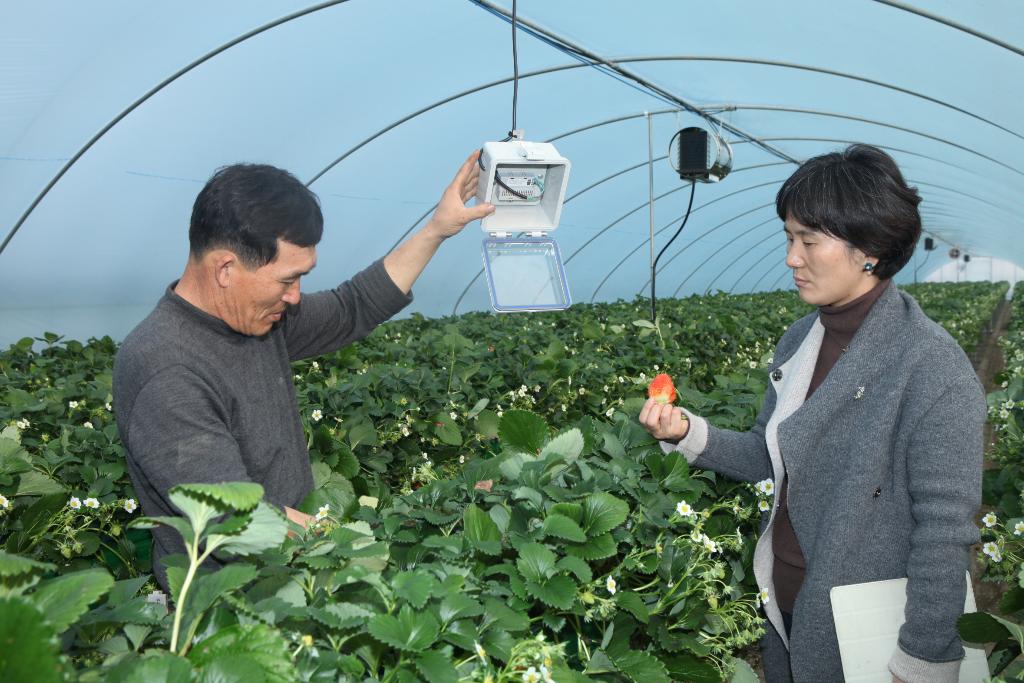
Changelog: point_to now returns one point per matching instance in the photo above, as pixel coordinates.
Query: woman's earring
(868, 267)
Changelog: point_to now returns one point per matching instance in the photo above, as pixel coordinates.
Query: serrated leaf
(232, 669)
(478, 407)
(594, 549)
(179, 524)
(562, 527)
(577, 566)
(641, 667)
(341, 615)
(504, 617)
(686, 667)
(436, 667)
(33, 483)
(209, 588)
(260, 644)
(602, 512)
(15, 569)
(267, 529)
(573, 511)
(535, 562)
(457, 606)
(634, 604)
(157, 666)
(481, 531)
(742, 672)
(64, 599)
(409, 631)
(558, 591)
(522, 430)
(415, 587)
(30, 651)
(236, 495)
(568, 445)
(980, 627)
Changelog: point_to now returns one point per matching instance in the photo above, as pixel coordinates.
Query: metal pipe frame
(148, 94)
(564, 67)
(861, 119)
(737, 259)
(716, 252)
(952, 24)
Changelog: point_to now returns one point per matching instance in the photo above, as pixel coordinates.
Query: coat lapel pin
(860, 393)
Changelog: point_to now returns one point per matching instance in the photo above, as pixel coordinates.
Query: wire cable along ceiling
(113, 116)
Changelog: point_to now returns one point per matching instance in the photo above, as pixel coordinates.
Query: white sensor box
(530, 186)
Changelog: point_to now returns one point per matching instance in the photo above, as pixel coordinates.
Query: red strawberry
(661, 389)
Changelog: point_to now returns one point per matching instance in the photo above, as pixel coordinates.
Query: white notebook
(868, 617)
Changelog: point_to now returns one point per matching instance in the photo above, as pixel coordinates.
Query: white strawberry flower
(130, 505)
(992, 550)
(405, 431)
(323, 512)
(109, 408)
(317, 415)
(74, 503)
(462, 460)
(316, 367)
(753, 364)
(763, 505)
(989, 520)
(611, 585)
(88, 425)
(710, 545)
(765, 486)
(4, 503)
(683, 509)
(762, 597)
(480, 651)
(546, 674)
(72, 405)
(22, 424)
(609, 412)
(92, 503)
(1018, 529)
(531, 675)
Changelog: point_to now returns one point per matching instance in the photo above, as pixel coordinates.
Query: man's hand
(664, 421)
(452, 214)
(406, 262)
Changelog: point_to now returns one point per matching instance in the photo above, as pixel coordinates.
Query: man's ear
(225, 266)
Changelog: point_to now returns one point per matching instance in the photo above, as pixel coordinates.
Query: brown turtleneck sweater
(841, 324)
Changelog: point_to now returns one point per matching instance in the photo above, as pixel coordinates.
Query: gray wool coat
(884, 463)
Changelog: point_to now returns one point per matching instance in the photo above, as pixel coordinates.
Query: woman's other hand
(664, 421)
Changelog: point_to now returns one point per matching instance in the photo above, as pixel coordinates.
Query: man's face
(256, 299)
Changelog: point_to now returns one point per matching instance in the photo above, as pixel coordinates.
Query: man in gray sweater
(203, 386)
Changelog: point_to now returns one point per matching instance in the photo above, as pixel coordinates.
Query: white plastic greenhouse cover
(113, 114)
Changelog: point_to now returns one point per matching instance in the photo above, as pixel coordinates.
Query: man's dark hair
(859, 196)
(247, 207)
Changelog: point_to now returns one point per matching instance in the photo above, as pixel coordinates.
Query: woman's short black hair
(859, 196)
(246, 208)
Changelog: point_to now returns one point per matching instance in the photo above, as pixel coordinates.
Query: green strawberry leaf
(562, 527)
(409, 631)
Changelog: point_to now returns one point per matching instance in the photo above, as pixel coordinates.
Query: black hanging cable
(515, 73)
(654, 266)
(515, 103)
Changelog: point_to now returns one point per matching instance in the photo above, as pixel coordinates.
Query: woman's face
(826, 270)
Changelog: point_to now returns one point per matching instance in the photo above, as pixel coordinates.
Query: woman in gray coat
(871, 431)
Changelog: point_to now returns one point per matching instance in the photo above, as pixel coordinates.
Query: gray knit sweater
(197, 402)
(884, 464)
